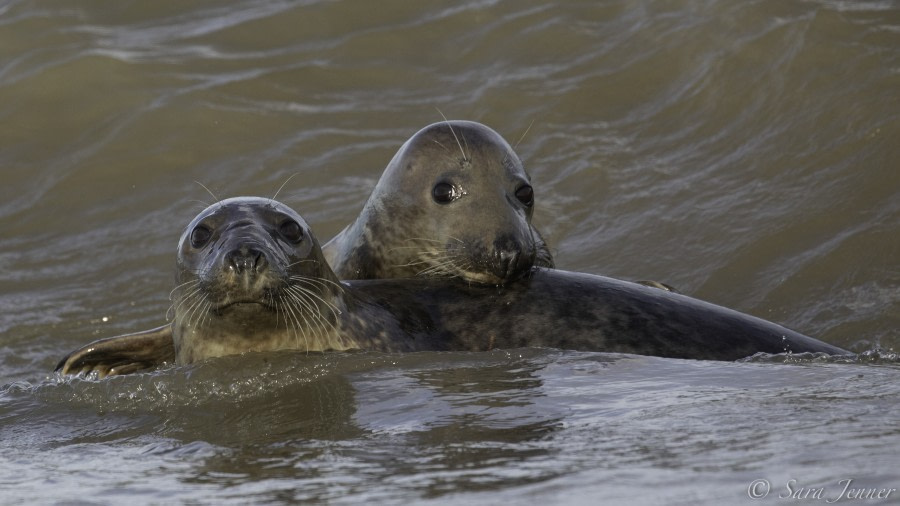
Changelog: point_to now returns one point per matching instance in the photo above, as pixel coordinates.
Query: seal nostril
(507, 263)
(246, 260)
(259, 261)
(508, 257)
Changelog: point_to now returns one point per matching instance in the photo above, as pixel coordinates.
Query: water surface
(744, 152)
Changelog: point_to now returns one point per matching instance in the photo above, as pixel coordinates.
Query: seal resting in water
(251, 276)
(454, 201)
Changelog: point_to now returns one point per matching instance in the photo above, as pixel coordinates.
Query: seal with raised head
(454, 201)
(251, 276)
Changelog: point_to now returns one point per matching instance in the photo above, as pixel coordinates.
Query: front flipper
(122, 354)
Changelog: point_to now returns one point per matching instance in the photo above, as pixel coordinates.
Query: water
(744, 152)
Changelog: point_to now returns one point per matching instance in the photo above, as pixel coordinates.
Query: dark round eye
(525, 194)
(200, 236)
(443, 193)
(291, 230)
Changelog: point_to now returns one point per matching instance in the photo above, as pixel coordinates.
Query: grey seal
(252, 277)
(455, 201)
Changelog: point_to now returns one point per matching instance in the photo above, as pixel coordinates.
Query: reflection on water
(744, 152)
(388, 427)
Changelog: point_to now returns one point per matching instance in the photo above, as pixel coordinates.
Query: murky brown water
(745, 152)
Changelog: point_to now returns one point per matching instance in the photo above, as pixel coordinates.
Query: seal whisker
(321, 281)
(290, 319)
(461, 150)
(205, 312)
(438, 271)
(298, 328)
(405, 248)
(197, 314)
(468, 157)
(324, 324)
(278, 309)
(414, 263)
(298, 262)
(186, 297)
(435, 272)
(216, 199)
(424, 239)
(191, 310)
(443, 266)
(286, 181)
(186, 283)
(516, 145)
(439, 144)
(416, 252)
(203, 203)
(308, 293)
(274, 304)
(197, 311)
(435, 262)
(304, 303)
(178, 302)
(300, 309)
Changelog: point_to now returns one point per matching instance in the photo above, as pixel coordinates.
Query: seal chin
(484, 278)
(502, 270)
(242, 306)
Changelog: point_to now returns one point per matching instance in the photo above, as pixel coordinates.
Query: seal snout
(245, 272)
(245, 275)
(510, 258)
(246, 260)
(506, 263)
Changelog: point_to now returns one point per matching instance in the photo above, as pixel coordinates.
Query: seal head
(454, 201)
(250, 275)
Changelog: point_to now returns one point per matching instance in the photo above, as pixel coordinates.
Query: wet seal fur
(252, 277)
(454, 201)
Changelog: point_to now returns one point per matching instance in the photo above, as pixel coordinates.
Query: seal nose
(245, 260)
(506, 263)
(510, 261)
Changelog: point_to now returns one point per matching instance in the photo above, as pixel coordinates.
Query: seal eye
(443, 193)
(291, 230)
(525, 194)
(200, 236)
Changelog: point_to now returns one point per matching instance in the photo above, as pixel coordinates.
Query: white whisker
(461, 150)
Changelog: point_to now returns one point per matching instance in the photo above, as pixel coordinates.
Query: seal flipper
(123, 354)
